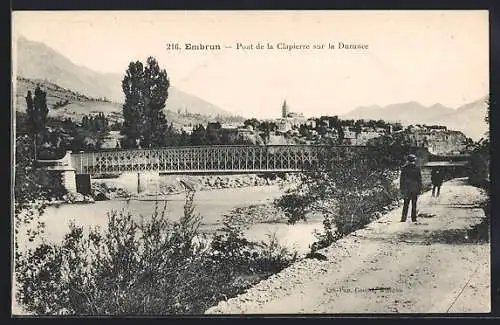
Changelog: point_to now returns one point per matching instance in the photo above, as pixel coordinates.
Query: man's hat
(411, 158)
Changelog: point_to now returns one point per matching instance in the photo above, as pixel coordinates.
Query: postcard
(250, 162)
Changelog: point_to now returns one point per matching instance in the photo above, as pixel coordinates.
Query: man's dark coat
(410, 182)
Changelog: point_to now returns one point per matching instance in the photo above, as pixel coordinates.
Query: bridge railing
(204, 159)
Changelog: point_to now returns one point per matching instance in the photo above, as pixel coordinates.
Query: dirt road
(433, 266)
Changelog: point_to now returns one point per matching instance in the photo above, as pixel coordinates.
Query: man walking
(437, 180)
(410, 186)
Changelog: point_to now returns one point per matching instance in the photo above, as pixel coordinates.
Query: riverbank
(114, 188)
(211, 205)
(436, 265)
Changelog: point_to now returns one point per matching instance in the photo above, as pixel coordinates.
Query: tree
(30, 196)
(397, 127)
(479, 168)
(199, 136)
(348, 122)
(213, 133)
(321, 127)
(37, 112)
(303, 130)
(487, 119)
(266, 128)
(252, 122)
(358, 126)
(334, 121)
(380, 124)
(146, 92)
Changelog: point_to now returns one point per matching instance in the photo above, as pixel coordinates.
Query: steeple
(284, 109)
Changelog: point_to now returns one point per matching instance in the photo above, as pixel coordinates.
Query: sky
(425, 56)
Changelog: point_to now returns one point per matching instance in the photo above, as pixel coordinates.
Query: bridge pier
(68, 179)
(63, 168)
(137, 182)
(83, 184)
(147, 179)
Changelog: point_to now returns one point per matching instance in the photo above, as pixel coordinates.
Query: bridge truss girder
(204, 159)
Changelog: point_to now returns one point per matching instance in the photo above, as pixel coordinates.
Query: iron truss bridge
(207, 159)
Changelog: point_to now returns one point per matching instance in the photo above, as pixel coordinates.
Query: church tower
(284, 110)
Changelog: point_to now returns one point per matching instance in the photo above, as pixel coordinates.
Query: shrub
(131, 268)
(30, 196)
(346, 190)
(60, 103)
(230, 248)
(143, 267)
(478, 172)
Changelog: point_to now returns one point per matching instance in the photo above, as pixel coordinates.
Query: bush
(131, 268)
(231, 249)
(60, 103)
(145, 267)
(348, 191)
(30, 194)
(479, 168)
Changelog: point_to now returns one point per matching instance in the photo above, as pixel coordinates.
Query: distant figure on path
(437, 177)
(411, 186)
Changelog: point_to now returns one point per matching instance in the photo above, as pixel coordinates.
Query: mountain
(468, 118)
(65, 103)
(37, 61)
(179, 100)
(406, 113)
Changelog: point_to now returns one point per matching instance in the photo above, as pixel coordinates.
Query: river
(210, 204)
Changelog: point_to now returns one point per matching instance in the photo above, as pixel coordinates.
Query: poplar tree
(146, 92)
(37, 112)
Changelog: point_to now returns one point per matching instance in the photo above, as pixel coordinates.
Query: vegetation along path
(438, 265)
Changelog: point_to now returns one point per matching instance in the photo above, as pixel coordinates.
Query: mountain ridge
(468, 118)
(36, 60)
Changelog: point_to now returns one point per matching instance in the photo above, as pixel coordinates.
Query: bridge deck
(244, 159)
(218, 159)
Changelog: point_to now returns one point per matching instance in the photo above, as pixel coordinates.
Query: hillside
(468, 118)
(37, 61)
(79, 105)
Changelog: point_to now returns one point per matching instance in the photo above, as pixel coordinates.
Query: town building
(187, 129)
(363, 136)
(284, 110)
(437, 139)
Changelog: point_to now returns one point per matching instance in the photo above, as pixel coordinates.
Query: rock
(74, 197)
(317, 256)
(100, 196)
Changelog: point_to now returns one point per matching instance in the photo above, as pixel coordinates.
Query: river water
(211, 205)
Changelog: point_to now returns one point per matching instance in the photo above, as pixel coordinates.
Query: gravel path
(388, 267)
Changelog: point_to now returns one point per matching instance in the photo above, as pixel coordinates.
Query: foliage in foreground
(143, 267)
(348, 192)
(33, 188)
(479, 169)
